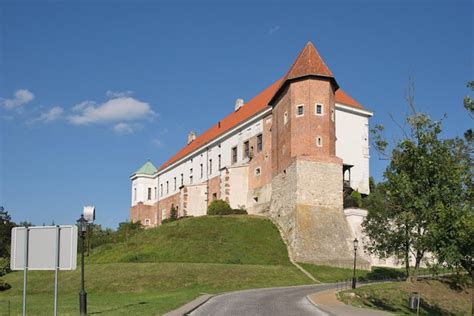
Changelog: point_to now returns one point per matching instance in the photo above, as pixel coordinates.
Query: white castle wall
(352, 144)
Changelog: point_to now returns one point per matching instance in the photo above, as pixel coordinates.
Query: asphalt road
(275, 301)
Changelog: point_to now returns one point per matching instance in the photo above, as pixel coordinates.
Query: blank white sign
(42, 247)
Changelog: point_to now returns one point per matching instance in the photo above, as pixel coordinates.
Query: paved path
(327, 301)
(274, 302)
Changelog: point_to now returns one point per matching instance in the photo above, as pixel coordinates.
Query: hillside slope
(208, 239)
(159, 269)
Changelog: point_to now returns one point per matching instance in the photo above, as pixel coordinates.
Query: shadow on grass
(117, 308)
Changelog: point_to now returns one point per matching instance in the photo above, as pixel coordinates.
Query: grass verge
(446, 296)
(141, 288)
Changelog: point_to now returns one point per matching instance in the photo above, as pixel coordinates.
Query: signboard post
(43, 248)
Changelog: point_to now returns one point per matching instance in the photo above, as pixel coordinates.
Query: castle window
(156, 193)
(174, 183)
(219, 162)
(246, 149)
(149, 193)
(167, 187)
(191, 176)
(182, 179)
(210, 166)
(202, 171)
(300, 110)
(319, 141)
(161, 189)
(134, 194)
(147, 222)
(285, 117)
(319, 109)
(234, 155)
(259, 142)
(258, 171)
(332, 115)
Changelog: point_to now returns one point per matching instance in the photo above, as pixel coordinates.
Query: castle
(286, 154)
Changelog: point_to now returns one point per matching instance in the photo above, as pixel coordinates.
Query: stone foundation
(307, 205)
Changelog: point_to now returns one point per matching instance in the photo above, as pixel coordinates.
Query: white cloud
(114, 110)
(274, 29)
(124, 128)
(157, 142)
(21, 97)
(52, 115)
(118, 94)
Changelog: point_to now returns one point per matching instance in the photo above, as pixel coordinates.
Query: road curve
(274, 301)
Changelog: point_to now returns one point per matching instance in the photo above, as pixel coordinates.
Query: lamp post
(82, 225)
(356, 243)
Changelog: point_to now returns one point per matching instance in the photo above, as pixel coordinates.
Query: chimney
(191, 137)
(238, 104)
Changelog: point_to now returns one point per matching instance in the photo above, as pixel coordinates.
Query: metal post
(56, 270)
(354, 272)
(25, 270)
(82, 294)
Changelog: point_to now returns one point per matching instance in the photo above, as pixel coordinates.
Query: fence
(4, 308)
(347, 283)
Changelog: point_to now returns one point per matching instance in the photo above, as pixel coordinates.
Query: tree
(173, 213)
(424, 183)
(6, 226)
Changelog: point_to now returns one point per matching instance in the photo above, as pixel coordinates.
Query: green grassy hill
(160, 269)
(209, 239)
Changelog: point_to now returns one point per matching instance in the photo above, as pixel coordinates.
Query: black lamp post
(82, 225)
(356, 243)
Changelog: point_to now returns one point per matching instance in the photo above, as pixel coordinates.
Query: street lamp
(82, 225)
(87, 216)
(356, 243)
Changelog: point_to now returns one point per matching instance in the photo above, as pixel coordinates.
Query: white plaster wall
(238, 180)
(141, 184)
(352, 146)
(222, 147)
(196, 204)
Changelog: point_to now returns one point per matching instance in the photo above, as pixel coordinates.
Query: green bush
(380, 273)
(219, 207)
(4, 266)
(4, 285)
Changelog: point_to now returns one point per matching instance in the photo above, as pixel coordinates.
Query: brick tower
(307, 177)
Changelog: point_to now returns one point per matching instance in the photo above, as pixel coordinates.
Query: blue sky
(90, 90)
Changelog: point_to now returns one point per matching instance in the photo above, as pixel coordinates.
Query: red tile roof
(251, 108)
(308, 63)
(343, 98)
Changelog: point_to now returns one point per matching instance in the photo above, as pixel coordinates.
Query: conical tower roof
(148, 168)
(308, 63)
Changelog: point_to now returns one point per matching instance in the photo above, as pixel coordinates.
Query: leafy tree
(424, 183)
(6, 226)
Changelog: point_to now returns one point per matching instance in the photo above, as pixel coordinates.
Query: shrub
(4, 266)
(173, 213)
(238, 211)
(219, 207)
(380, 273)
(4, 285)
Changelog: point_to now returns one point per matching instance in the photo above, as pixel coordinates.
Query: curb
(191, 306)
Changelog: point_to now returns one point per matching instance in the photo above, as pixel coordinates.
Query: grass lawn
(438, 297)
(328, 274)
(141, 288)
(213, 239)
(160, 269)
